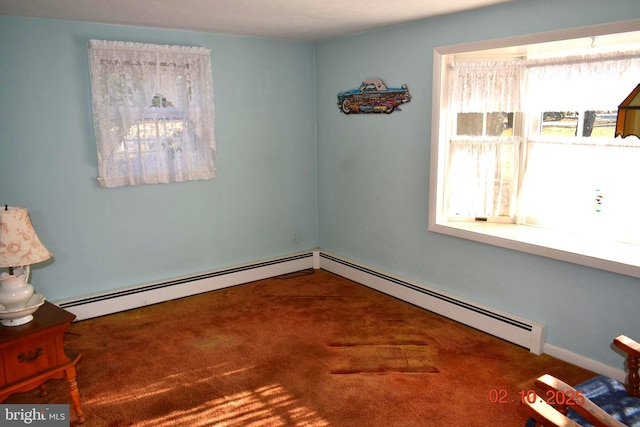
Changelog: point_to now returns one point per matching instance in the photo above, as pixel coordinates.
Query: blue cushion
(609, 395)
(612, 397)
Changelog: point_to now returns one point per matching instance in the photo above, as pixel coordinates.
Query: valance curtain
(570, 83)
(580, 82)
(491, 86)
(153, 112)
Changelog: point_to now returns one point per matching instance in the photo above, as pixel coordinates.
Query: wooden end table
(33, 353)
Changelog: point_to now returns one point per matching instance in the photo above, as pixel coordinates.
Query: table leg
(70, 375)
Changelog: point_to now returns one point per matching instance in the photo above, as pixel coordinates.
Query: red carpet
(305, 350)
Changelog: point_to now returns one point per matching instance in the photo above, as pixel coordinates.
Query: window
(153, 112)
(523, 147)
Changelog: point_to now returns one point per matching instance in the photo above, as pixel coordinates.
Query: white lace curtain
(491, 86)
(481, 176)
(562, 177)
(581, 82)
(571, 83)
(585, 185)
(482, 169)
(153, 112)
(588, 187)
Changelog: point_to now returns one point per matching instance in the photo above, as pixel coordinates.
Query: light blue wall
(278, 130)
(262, 203)
(373, 175)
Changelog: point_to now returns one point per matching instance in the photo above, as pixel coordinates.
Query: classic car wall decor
(373, 96)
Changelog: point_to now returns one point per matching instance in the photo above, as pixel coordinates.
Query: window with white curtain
(153, 112)
(579, 178)
(524, 137)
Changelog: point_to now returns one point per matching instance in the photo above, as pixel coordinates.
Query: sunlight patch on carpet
(166, 385)
(271, 405)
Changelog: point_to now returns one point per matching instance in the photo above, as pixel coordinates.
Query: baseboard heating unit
(128, 298)
(519, 331)
(514, 329)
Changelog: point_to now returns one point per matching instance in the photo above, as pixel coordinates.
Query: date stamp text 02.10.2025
(551, 397)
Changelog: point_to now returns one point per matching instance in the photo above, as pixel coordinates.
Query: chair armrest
(632, 349)
(589, 410)
(547, 415)
(627, 345)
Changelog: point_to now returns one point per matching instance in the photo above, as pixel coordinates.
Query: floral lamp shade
(19, 243)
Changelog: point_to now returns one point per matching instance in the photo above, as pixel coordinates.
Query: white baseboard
(585, 362)
(463, 311)
(520, 331)
(517, 330)
(125, 299)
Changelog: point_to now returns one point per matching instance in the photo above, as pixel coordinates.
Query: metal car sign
(373, 96)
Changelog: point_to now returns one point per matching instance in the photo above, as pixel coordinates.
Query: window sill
(589, 251)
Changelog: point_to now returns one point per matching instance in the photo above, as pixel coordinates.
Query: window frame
(610, 256)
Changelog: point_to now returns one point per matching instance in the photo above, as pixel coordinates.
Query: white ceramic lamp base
(17, 322)
(15, 289)
(23, 316)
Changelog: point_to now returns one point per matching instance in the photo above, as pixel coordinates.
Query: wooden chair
(600, 401)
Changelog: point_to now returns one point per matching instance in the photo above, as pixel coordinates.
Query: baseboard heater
(506, 326)
(514, 329)
(128, 298)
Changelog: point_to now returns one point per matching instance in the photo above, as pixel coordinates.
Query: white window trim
(605, 255)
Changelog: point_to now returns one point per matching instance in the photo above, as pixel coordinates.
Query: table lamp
(628, 122)
(19, 248)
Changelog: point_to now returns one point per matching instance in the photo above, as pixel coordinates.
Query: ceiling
(310, 20)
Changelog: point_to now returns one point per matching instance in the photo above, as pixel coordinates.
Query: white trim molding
(585, 362)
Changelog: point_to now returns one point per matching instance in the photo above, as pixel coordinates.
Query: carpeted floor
(301, 350)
